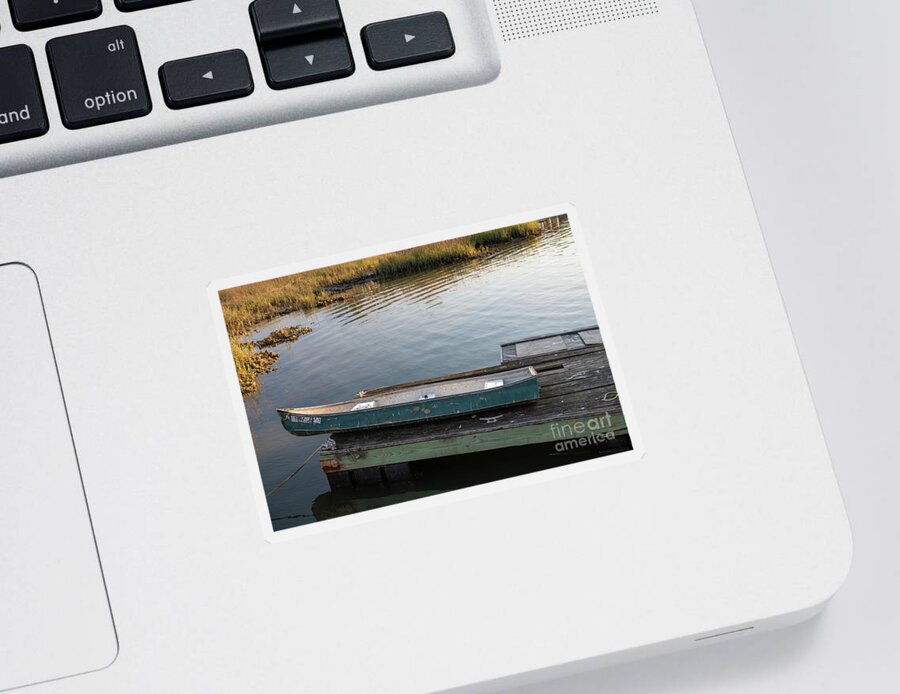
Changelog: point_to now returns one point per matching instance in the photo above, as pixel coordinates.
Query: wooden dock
(578, 407)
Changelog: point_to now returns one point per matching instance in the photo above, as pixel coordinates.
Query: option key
(99, 77)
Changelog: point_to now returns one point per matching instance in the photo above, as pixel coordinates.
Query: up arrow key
(288, 21)
(408, 37)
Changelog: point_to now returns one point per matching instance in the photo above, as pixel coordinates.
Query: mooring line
(288, 478)
(296, 515)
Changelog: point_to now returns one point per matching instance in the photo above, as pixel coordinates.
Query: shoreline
(247, 307)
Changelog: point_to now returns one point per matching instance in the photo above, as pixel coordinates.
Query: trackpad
(55, 619)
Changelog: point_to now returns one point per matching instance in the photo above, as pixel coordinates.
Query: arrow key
(274, 20)
(296, 64)
(206, 79)
(408, 40)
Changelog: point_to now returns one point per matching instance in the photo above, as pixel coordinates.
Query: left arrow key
(206, 79)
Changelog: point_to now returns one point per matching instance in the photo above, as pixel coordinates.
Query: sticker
(418, 370)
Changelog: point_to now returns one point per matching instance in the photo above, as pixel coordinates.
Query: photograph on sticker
(425, 370)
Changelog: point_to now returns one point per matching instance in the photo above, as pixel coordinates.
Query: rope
(288, 478)
(296, 515)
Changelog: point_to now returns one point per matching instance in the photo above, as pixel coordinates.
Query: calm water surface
(443, 321)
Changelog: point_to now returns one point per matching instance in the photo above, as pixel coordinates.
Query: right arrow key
(408, 40)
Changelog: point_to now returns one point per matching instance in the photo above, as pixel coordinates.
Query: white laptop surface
(470, 365)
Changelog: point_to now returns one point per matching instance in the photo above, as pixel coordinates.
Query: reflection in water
(445, 474)
(441, 321)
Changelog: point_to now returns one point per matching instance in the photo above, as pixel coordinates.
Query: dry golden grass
(247, 306)
(250, 362)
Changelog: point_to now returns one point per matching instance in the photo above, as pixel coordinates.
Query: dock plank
(549, 344)
(591, 337)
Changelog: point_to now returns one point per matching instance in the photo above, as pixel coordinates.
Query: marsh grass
(495, 237)
(282, 335)
(247, 306)
(250, 362)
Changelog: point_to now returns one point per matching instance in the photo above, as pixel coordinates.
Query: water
(443, 321)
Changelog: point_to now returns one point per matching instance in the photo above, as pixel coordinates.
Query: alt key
(99, 77)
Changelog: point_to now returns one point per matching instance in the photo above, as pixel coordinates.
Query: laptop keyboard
(102, 76)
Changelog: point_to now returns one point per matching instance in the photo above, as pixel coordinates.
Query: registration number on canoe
(304, 419)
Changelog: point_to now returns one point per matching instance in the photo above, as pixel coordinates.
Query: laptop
(388, 347)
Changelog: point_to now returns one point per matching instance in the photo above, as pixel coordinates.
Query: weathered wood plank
(591, 337)
(532, 347)
(477, 442)
(529, 338)
(535, 347)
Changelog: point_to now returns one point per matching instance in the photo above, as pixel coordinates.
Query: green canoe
(405, 404)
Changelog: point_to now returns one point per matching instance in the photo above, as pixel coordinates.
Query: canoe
(405, 404)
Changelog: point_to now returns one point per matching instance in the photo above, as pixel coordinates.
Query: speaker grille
(521, 19)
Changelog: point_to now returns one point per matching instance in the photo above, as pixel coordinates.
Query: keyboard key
(99, 77)
(206, 79)
(22, 111)
(408, 40)
(37, 14)
(284, 19)
(296, 64)
(131, 5)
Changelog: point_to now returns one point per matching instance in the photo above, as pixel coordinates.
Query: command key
(21, 104)
(99, 77)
